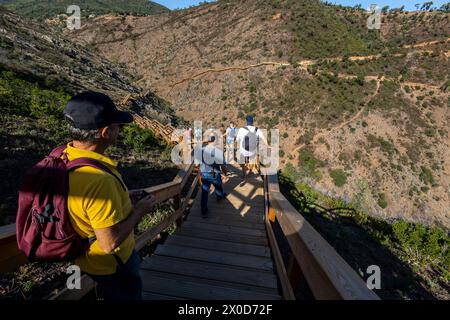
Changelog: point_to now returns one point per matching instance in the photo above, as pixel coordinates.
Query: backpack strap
(88, 162)
(58, 151)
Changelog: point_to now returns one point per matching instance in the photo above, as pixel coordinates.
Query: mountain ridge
(46, 9)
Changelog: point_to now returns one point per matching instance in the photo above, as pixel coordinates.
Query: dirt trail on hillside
(304, 64)
(425, 44)
(326, 132)
(269, 63)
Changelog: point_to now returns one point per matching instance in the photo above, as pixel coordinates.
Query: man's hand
(110, 238)
(145, 205)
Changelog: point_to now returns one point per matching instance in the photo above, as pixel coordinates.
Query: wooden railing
(10, 256)
(312, 258)
(162, 131)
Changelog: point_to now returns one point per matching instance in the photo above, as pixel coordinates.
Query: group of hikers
(240, 144)
(75, 205)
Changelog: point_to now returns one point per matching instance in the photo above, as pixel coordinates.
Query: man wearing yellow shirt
(99, 202)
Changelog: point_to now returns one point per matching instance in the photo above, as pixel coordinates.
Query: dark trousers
(207, 180)
(125, 284)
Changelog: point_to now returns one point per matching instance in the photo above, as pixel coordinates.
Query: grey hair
(83, 135)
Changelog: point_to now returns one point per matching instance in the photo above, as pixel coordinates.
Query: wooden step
(235, 198)
(246, 211)
(217, 245)
(229, 221)
(256, 204)
(219, 257)
(155, 283)
(213, 274)
(214, 235)
(224, 228)
(250, 218)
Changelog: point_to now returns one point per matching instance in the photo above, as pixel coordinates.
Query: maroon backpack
(43, 228)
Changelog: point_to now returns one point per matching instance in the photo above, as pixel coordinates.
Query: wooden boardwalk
(225, 256)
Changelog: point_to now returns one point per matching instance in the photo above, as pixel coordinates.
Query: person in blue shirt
(211, 169)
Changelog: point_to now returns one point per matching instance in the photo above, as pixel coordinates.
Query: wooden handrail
(286, 287)
(10, 256)
(328, 275)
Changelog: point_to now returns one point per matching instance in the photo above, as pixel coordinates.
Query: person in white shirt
(248, 139)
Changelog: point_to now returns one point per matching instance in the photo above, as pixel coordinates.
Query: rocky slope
(40, 54)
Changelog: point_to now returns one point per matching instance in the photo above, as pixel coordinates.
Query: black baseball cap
(94, 110)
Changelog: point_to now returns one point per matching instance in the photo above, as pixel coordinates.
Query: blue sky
(409, 4)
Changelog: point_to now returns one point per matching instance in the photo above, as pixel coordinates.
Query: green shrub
(13, 95)
(339, 177)
(426, 176)
(139, 139)
(309, 163)
(421, 244)
(382, 202)
(47, 103)
(20, 97)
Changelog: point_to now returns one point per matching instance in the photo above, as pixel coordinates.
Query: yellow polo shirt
(97, 200)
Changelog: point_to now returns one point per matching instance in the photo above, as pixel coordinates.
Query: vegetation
(378, 142)
(426, 176)
(309, 164)
(339, 177)
(139, 139)
(382, 202)
(320, 32)
(42, 9)
(20, 97)
(333, 99)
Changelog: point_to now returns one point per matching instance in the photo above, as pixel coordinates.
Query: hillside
(39, 72)
(363, 113)
(43, 9)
